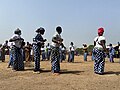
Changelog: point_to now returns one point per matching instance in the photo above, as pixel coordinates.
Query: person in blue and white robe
(55, 54)
(18, 63)
(99, 52)
(38, 42)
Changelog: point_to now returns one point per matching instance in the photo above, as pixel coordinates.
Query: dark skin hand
(57, 41)
(103, 44)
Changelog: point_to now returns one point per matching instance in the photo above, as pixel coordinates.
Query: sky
(79, 19)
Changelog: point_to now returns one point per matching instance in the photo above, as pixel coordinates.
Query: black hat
(71, 43)
(59, 29)
(17, 31)
(6, 41)
(40, 30)
(110, 44)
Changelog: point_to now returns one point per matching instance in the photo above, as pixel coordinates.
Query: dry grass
(74, 76)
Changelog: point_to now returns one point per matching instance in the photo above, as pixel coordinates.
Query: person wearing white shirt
(48, 51)
(18, 63)
(98, 52)
(63, 52)
(55, 60)
(71, 52)
(6, 47)
(43, 53)
(85, 52)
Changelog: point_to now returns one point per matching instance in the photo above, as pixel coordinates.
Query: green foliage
(90, 48)
(80, 50)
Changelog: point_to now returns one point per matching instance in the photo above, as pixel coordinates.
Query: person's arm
(94, 43)
(70, 48)
(54, 39)
(103, 42)
(15, 39)
(10, 40)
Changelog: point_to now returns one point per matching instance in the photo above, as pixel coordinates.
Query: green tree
(90, 48)
(79, 50)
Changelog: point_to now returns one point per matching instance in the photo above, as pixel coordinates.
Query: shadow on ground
(70, 72)
(111, 72)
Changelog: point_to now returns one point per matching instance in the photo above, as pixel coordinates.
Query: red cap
(100, 31)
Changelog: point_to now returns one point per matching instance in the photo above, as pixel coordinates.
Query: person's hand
(45, 40)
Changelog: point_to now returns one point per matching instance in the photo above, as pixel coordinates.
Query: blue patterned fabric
(38, 41)
(38, 38)
(36, 51)
(61, 55)
(99, 60)
(55, 60)
(111, 54)
(11, 58)
(18, 63)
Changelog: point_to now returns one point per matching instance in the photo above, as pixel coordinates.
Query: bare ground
(74, 76)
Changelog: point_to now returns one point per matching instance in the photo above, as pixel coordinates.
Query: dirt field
(74, 76)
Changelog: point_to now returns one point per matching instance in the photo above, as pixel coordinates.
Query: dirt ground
(74, 76)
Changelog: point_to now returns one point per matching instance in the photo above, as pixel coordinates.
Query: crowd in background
(20, 51)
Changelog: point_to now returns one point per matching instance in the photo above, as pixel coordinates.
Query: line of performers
(17, 55)
(57, 42)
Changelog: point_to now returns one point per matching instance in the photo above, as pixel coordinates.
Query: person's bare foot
(56, 74)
